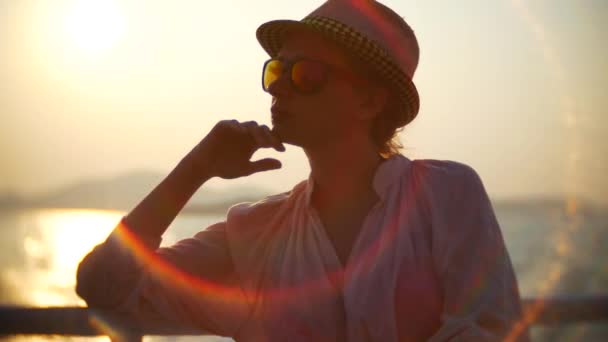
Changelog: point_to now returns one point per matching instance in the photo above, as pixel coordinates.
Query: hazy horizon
(92, 89)
(139, 182)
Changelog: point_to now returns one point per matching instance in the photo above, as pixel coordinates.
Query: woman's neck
(343, 170)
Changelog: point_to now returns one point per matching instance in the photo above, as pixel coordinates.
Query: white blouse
(429, 263)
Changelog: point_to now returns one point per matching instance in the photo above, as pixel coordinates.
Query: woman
(371, 247)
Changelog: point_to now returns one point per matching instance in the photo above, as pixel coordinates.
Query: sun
(93, 27)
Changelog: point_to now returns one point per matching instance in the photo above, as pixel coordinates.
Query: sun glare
(94, 26)
(74, 233)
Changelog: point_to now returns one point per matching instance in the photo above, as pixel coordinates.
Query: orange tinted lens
(307, 75)
(272, 71)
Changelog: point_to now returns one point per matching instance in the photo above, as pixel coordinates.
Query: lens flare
(165, 271)
(563, 237)
(106, 328)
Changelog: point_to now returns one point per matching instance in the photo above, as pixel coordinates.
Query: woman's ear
(374, 100)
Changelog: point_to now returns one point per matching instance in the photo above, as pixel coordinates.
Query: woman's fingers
(262, 136)
(226, 151)
(276, 142)
(261, 165)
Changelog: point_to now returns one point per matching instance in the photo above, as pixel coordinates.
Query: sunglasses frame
(288, 65)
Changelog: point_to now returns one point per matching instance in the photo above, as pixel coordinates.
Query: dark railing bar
(566, 309)
(80, 321)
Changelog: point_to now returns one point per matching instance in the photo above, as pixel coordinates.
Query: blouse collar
(386, 175)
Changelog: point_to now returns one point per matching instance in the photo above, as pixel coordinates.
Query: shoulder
(265, 208)
(442, 168)
(446, 179)
(456, 199)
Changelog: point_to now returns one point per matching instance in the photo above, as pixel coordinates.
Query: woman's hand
(226, 151)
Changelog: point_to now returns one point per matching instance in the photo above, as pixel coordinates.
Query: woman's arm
(188, 282)
(129, 272)
(225, 152)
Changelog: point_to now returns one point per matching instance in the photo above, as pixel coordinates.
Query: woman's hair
(387, 125)
(386, 128)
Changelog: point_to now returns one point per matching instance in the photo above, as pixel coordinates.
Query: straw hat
(370, 31)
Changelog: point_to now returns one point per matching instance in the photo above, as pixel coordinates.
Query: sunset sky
(90, 88)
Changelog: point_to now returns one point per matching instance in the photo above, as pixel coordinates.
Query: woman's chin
(281, 131)
(286, 135)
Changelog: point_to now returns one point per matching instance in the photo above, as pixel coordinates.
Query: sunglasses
(305, 75)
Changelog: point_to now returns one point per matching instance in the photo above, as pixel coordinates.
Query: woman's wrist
(193, 171)
(157, 210)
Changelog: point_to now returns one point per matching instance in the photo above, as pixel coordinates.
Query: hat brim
(271, 36)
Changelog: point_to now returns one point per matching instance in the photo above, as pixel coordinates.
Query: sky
(93, 89)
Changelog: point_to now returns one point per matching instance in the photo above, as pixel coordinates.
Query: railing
(78, 321)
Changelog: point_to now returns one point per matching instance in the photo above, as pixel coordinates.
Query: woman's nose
(281, 86)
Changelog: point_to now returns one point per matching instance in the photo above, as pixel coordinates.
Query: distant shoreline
(215, 209)
(221, 208)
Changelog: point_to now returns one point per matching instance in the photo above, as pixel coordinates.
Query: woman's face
(333, 112)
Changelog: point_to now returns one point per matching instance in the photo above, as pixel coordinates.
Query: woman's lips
(278, 115)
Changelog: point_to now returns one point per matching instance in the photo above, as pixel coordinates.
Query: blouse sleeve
(480, 292)
(192, 282)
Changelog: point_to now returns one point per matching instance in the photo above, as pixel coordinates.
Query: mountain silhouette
(124, 191)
